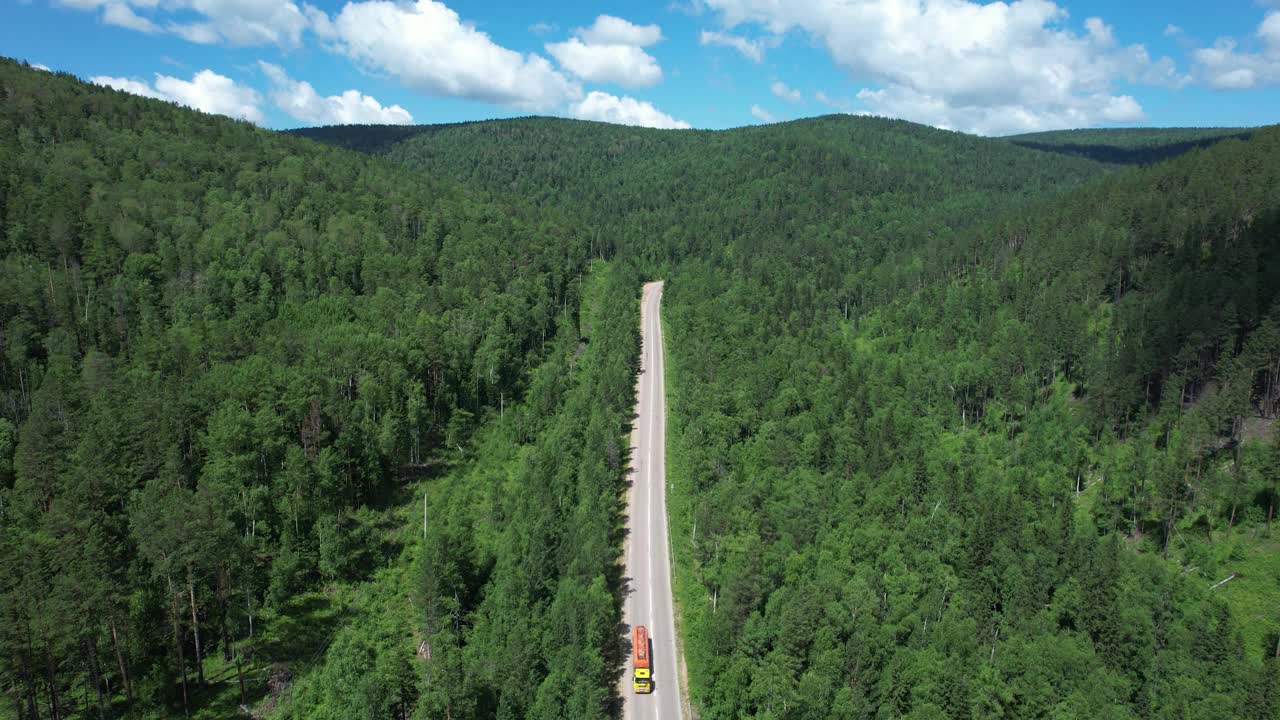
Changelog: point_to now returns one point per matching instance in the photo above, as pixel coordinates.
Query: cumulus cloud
(992, 68)
(1100, 32)
(235, 22)
(1269, 30)
(611, 50)
(780, 89)
(762, 115)
(610, 30)
(206, 91)
(121, 15)
(626, 65)
(137, 87)
(40, 66)
(751, 49)
(300, 101)
(1226, 67)
(428, 48)
(903, 102)
(623, 110)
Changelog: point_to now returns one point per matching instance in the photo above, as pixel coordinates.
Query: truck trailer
(642, 680)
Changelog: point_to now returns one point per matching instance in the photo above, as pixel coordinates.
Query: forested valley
(962, 430)
(960, 427)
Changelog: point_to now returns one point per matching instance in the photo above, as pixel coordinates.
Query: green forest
(231, 359)
(959, 427)
(952, 441)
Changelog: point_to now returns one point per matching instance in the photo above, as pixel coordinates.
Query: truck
(642, 679)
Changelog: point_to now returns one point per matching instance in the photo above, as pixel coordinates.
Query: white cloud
(430, 49)
(626, 65)
(610, 30)
(1225, 67)
(206, 91)
(212, 93)
(245, 22)
(997, 67)
(762, 115)
(319, 22)
(300, 101)
(624, 111)
(1269, 30)
(752, 49)
(137, 87)
(542, 28)
(780, 89)
(1241, 78)
(1100, 32)
(1172, 30)
(236, 22)
(39, 66)
(120, 14)
(899, 101)
(610, 51)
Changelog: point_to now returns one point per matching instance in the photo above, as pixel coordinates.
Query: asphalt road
(648, 559)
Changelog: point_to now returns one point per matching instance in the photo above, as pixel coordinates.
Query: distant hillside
(1128, 146)
(370, 139)
(679, 193)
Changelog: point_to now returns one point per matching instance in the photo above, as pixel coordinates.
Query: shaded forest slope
(1128, 146)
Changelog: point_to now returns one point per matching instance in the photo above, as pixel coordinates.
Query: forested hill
(370, 139)
(696, 187)
(227, 355)
(1007, 488)
(961, 429)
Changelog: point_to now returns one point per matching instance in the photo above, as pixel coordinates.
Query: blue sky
(990, 68)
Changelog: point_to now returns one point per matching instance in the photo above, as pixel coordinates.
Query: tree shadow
(301, 630)
(1129, 155)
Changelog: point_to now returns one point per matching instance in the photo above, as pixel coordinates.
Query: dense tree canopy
(939, 417)
(222, 346)
(926, 509)
(960, 427)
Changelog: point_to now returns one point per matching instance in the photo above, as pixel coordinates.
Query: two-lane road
(648, 558)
